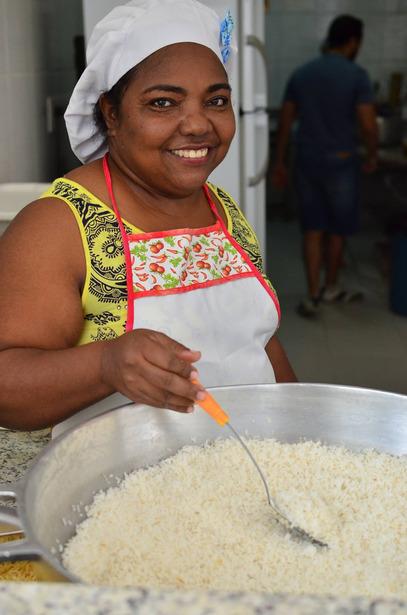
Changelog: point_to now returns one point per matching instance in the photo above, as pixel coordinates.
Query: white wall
(36, 60)
(21, 91)
(296, 28)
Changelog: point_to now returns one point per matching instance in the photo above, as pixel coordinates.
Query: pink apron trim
(173, 233)
(242, 253)
(190, 287)
(127, 255)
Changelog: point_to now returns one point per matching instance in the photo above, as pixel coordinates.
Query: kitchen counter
(17, 451)
(34, 599)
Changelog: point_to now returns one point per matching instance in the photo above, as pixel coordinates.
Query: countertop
(17, 451)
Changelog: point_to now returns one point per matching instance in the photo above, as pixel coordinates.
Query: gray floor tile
(360, 344)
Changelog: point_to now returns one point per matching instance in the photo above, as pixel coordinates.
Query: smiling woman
(133, 271)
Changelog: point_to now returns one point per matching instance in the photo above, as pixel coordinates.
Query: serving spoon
(211, 406)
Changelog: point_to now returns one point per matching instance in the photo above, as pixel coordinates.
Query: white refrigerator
(243, 172)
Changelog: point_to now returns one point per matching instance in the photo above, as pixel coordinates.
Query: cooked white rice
(201, 520)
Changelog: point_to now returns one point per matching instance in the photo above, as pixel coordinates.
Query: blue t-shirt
(326, 92)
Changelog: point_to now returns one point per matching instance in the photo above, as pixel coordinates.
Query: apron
(199, 287)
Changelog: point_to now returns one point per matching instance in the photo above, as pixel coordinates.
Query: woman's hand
(151, 368)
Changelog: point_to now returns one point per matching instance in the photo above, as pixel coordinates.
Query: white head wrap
(120, 41)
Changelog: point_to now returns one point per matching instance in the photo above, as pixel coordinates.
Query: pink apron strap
(242, 252)
(126, 247)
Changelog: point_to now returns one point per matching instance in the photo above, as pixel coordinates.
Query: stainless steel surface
(69, 471)
(9, 518)
(295, 530)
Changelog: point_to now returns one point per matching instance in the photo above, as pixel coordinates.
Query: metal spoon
(211, 406)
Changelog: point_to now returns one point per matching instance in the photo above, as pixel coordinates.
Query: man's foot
(308, 308)
(334, 294)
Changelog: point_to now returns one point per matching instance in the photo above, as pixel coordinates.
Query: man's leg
(313, 261)
(341, 187)
(334, 260)
(312, 252)
(332, 292)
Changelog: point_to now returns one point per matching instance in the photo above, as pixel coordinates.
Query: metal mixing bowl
(65, 476)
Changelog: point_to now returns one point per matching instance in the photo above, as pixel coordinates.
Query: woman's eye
(162, 103)
(219, 101)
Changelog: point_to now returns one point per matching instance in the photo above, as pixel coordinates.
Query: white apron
(199, 287)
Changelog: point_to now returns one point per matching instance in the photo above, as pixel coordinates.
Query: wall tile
(64, 22)
(382, 6)
(30, 30)
(278, 78)
(4, 132)
(298, 5)
(402, 6)
(276, 83)
(3, 38)
(373, 40)
(23, 127)
(299, 37)
(274, 35)
(339, 6)
(19, 18)
(282, 6)
(395, 38)
(61, 82)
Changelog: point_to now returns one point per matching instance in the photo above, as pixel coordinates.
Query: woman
(132, 273)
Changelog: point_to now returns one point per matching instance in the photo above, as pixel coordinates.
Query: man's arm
(287, 118)
(366, 116)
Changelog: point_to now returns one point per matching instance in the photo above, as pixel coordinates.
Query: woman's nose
(195, 122)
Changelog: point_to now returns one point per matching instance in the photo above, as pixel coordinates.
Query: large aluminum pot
(65, 476)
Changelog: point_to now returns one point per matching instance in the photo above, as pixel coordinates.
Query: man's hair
(342, 30)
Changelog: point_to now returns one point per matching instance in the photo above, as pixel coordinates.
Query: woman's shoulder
(84, 183)
(238, 225)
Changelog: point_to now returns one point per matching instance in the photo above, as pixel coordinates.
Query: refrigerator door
(255, 159)
(253, 55)
(254, 143)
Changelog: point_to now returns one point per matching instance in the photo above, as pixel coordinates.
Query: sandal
(308, 308)
(339, 295)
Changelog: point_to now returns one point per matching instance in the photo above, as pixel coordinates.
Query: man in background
(329, 97)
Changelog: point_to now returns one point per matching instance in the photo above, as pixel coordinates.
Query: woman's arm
(44, 377)
(279, 360)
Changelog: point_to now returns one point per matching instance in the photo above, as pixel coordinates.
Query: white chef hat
(125, 37)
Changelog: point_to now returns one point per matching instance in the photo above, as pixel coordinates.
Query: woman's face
(175, 121)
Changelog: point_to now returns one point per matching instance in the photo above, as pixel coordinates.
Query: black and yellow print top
(104, 295)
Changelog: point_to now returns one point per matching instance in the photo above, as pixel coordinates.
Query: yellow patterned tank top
(104, 296)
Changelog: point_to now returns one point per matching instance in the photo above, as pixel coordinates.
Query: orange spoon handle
(211, 406)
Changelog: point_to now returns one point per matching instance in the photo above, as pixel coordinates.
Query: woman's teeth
(191, 153)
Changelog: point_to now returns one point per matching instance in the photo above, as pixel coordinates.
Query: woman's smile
(197, 155)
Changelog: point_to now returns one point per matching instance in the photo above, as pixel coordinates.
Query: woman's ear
(109, 113)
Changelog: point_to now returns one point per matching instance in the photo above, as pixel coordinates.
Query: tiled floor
(361, 344)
